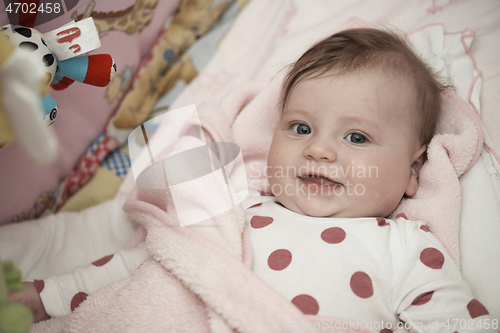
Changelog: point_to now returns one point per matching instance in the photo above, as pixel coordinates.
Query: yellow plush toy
(14, 317)
(22, 79)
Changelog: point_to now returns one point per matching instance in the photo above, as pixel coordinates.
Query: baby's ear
(418, 161)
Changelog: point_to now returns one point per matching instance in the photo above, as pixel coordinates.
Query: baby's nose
(321, 149)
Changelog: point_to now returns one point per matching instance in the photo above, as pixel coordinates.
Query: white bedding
(50, 239)
(479, 230)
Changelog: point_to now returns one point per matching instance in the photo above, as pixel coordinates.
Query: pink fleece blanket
(453, 150)
(199, 279)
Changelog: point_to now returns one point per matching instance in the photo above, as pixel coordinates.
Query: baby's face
(344, 146)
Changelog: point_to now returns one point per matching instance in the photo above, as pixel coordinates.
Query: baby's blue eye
(301, 129)
(356, 138)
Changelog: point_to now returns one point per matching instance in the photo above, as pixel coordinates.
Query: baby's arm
(430, 294)
(61, 294)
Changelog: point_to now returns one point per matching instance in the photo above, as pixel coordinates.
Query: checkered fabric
(118, 161)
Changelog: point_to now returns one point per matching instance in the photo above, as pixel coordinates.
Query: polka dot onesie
(371, 270)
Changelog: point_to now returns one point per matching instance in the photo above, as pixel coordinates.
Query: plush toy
(14, 317)
(96, 70)
(22, 81)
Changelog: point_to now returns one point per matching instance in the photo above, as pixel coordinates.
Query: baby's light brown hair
(366, 48)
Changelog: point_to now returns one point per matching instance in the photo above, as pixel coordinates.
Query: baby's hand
(30, 298)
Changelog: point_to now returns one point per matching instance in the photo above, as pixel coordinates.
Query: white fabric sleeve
(58, 243)
(430, 294)
(63, 293)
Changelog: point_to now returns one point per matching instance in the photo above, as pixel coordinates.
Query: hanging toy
(58, 53)
(23, 81)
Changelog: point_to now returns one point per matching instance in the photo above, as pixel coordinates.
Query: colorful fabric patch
(86, 167)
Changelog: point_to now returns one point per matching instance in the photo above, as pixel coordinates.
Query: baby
(358, 110)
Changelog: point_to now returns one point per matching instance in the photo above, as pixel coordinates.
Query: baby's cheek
(272, 180)
(375, 189)
(276, 179)
(274, 159)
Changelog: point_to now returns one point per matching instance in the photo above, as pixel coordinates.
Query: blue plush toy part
(96, 70)
(73, 68)
(49, 108)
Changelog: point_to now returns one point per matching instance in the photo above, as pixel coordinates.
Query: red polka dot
(279, 259)
(258, 222)
(403, 215)
(307, 304)
(432, 258)
(386, 330)
(333, 235)
(361, 285)
(265, 194)
(256, 205)
(39, 284)
(424, 228)
(422, 298)
(381, 222)
(78, 299)
(476, 309)
(103, 261)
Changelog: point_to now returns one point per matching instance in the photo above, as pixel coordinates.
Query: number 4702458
(471, 324)
(33, 8)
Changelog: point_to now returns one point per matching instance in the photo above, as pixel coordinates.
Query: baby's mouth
(319, 180)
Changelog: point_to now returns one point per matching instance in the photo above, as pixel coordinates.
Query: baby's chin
(317, 210)
(313, 209)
